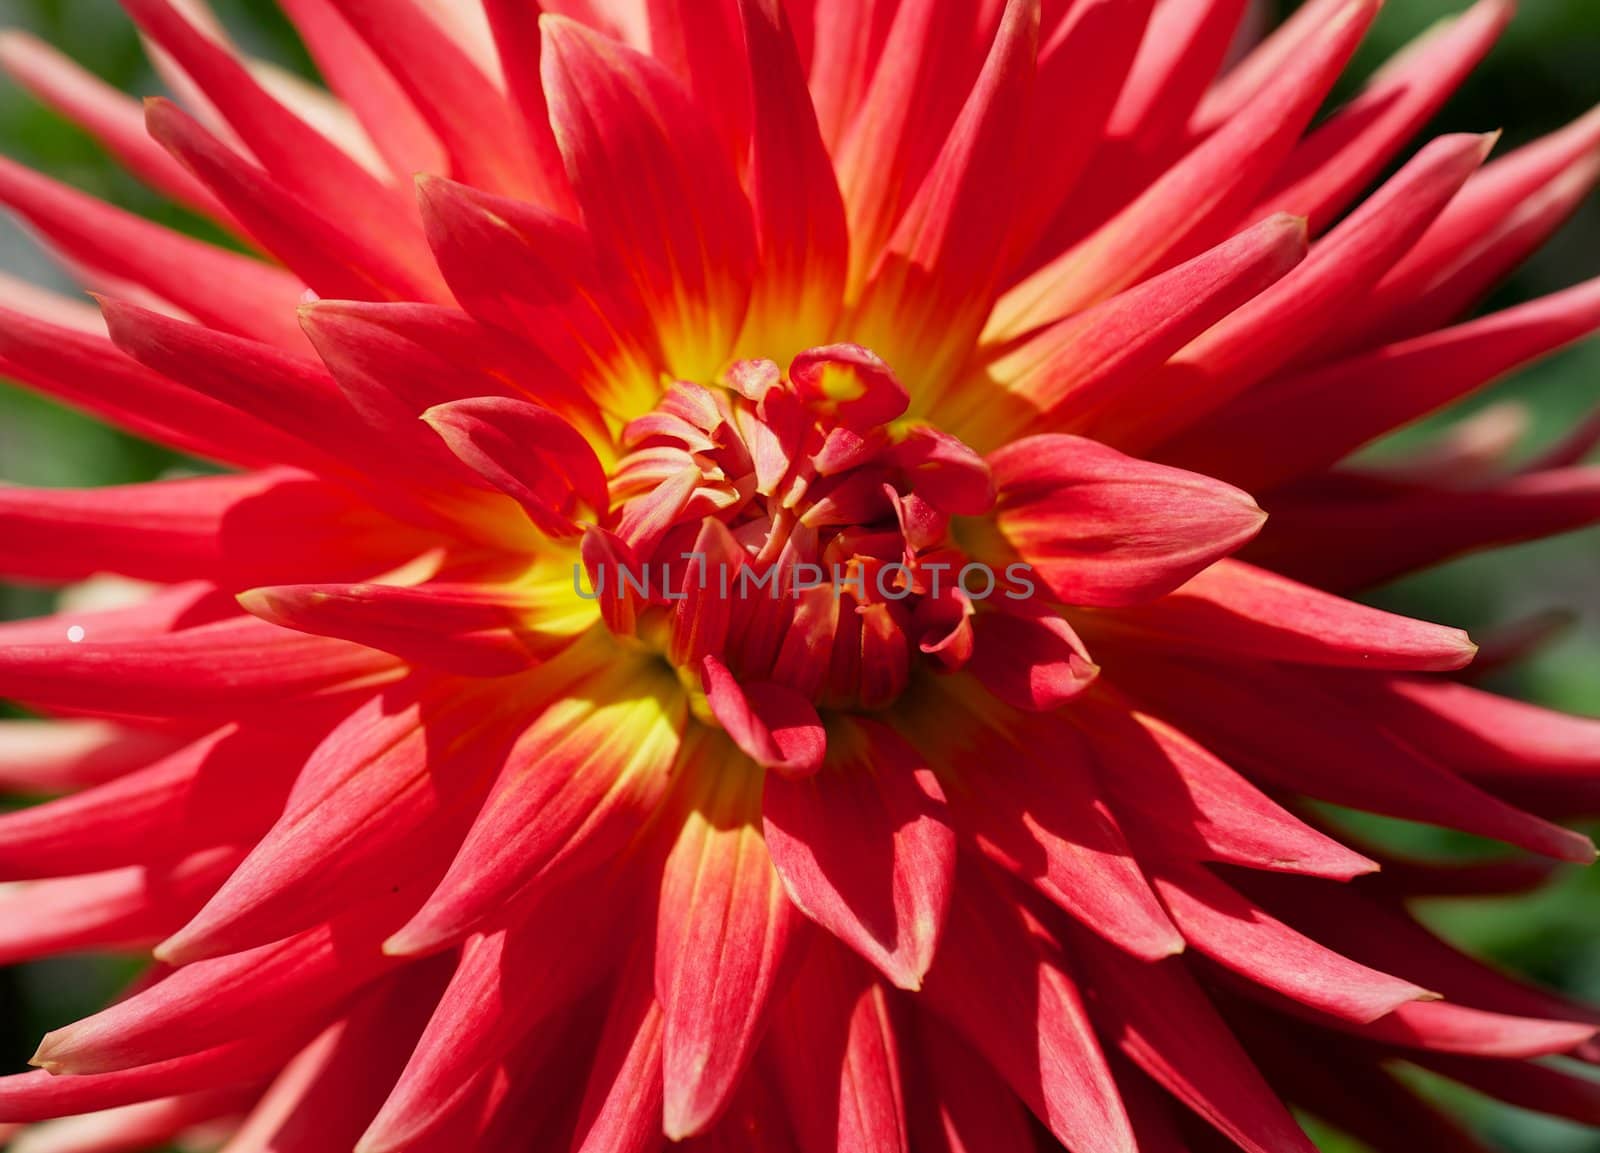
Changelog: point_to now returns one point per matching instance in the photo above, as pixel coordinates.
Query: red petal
(1231, 930)
(1235, 608)
(519, 44)
(358, 78)
(290, 985)
(222, 789)
(656, 188)
(330, 1091)
(529, 453)
(1509, 208)
(944, 472)
(224, 290)
(1083, 63)
(960, 1104)
(1340, 407)
(38, 1095)
(1003, 988)
(1071, 368)
(799, 214)
(1101, 528)
(1190, 207)
(1333, 164)
(111, 116)
(775, 726)
(848, 39)
(1042, 817)
(573, 791)
(1343, 543)
(121, 909)
(1194, 805)
(45, 757)
(165, 531)
(1382, 934)
(369, 795)
(475, 630)
(88, 372)
(701, 41)
(866, 850)
(621, 1110)
(1349, 763)
(1292, 316)
(299, 157)
(701, 620)
(1160, 1018)
(851, 383)
(514, 970)
(898, 122)
(465, 109)
(837, 1058)
(331, 260)
(1035, 663)
(211, 668)
(540, 277)
(147, 1125)
(724, 930)
(933, 283)
(292, 394)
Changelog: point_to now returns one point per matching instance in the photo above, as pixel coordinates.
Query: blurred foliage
(1544, 73)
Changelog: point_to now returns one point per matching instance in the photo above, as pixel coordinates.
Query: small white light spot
(75, 633)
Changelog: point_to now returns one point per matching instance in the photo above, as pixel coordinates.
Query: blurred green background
(1544, 73)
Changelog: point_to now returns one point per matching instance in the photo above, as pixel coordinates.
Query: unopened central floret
(793, 527)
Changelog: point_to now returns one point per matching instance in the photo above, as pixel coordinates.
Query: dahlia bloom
(741, 607)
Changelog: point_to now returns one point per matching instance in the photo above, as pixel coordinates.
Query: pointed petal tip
(683, 1117)
(421, 937)
(407, 943)
(173, 951)
(257, 602)
(53, 1054)
(15, 40)
(1298, 228)
(675, 1127)
(374, 1143)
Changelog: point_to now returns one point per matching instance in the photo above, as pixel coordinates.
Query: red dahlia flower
(735, 616)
